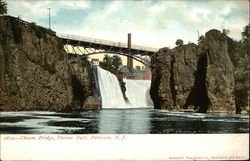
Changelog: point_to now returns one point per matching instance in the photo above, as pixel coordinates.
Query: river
(122, 121)
(117, 116)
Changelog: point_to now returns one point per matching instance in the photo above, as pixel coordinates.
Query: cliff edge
(34, 71)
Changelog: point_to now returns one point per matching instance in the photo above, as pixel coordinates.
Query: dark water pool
(121, 121)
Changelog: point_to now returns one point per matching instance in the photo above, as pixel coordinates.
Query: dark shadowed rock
(122, 85)
(173, 76)
(81, 83)
(194, 76)
(34, 71)
(92, 103)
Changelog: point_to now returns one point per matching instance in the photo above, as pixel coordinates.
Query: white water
(137, 91)
(110, 90)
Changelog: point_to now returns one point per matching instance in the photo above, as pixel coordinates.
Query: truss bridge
(85, 46)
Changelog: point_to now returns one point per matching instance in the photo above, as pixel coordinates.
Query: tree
(3, 7)
(179, 42)
(106, 63)
(201, 39)
(242, 71)
(116, 62)
(225, 32)
(245, 36)
(111, 64)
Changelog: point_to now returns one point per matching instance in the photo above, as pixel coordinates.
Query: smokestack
(129, 60)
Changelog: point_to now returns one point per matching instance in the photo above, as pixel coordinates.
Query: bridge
(91, 46)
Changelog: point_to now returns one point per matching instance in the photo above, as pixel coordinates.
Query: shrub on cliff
(225, 32)
(179, 42)
(41, 31)
(201, 40)
(3, 7)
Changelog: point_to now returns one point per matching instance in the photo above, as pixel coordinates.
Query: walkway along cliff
(35, 74)
(195, 77)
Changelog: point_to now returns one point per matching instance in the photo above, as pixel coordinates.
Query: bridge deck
(105, 44)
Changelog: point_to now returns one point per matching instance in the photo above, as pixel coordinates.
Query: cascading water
(110, 90)
(138, 93)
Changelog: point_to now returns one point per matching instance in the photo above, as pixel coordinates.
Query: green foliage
(246, 32)
(201, 39)
(245, 37)
(106, 63)
(179, 42)
(242, 70)
(7, 40)
(116, 62)
(111, 64)
(8, 48)
(15, 25)
(41, 31)
(225, 32)
(3, 7)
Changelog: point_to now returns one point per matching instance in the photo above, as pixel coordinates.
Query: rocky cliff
(194, 77)
(122, 85)
(34, 71)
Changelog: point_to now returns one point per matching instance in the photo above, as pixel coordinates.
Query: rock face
(34, 71)
(173, 76)
(92, 103)
(82, 85)
(192, 76)
(122, 85)
(220, 72)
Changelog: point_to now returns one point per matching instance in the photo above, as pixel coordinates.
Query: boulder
(92, 103)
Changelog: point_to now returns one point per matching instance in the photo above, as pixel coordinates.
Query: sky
(156, 23)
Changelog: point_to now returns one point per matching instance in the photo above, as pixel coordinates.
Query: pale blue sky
(152, 23)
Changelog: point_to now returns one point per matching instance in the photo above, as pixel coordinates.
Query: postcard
(124, 80)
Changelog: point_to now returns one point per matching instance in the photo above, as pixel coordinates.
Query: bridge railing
(105, 42)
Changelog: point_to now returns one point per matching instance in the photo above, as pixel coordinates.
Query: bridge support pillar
(129, 59)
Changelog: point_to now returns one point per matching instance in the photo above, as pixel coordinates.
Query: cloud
(75, 3)
(155, 23)
(28, 10)
(200, 12)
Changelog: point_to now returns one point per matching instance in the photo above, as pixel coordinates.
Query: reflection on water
(121, 121)
(133, 121)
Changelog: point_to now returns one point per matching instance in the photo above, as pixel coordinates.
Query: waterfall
(110, 90)
(138, 93)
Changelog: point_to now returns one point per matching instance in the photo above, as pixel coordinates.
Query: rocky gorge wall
(195, 77)
(35, 74)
